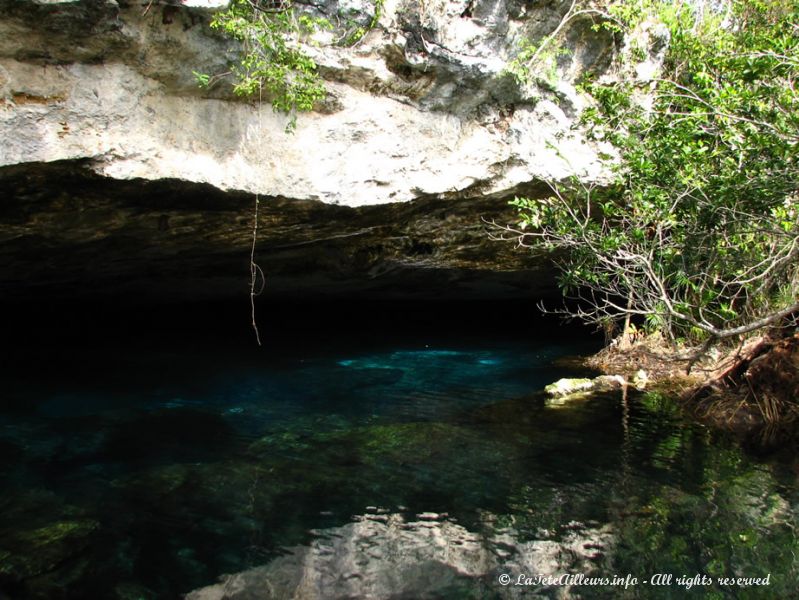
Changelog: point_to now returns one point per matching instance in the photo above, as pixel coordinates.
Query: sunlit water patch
(416, 471)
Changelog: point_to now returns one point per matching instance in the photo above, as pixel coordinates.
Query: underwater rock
(380, 463)
(28, 553)
(404, 443)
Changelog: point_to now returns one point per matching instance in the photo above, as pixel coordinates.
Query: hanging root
(255, 270)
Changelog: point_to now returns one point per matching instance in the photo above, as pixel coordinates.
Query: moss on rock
(37, 551)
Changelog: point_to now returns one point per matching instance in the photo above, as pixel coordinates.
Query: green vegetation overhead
(698, 237)
(273, 63)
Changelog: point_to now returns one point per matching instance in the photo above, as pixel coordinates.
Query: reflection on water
(406, 472)
(385, 555)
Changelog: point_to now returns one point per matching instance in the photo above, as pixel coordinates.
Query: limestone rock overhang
(70, 232)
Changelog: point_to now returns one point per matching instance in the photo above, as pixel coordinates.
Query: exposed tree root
(759, 391)
(751, 390)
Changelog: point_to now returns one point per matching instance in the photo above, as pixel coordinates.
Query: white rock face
(411, 114)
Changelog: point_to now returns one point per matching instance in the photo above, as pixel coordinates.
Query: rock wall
(68, 232)
(421, 109)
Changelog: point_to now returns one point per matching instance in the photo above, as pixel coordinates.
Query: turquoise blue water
(421, 469)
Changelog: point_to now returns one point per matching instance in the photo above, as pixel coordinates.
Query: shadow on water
(369, 450)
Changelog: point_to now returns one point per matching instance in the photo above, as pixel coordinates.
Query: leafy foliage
(273, 61)
(700, 234)
(538, 61)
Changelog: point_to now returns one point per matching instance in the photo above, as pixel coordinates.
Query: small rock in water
(565, 390)
(565, 387)
(640, 379)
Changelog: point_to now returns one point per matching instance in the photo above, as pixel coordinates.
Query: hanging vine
(255, 271)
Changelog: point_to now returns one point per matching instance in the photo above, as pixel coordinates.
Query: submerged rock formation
(97, 97)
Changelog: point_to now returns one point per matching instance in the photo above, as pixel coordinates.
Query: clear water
(408, 470)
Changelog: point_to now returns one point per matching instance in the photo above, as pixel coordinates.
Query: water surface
(421, 468)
